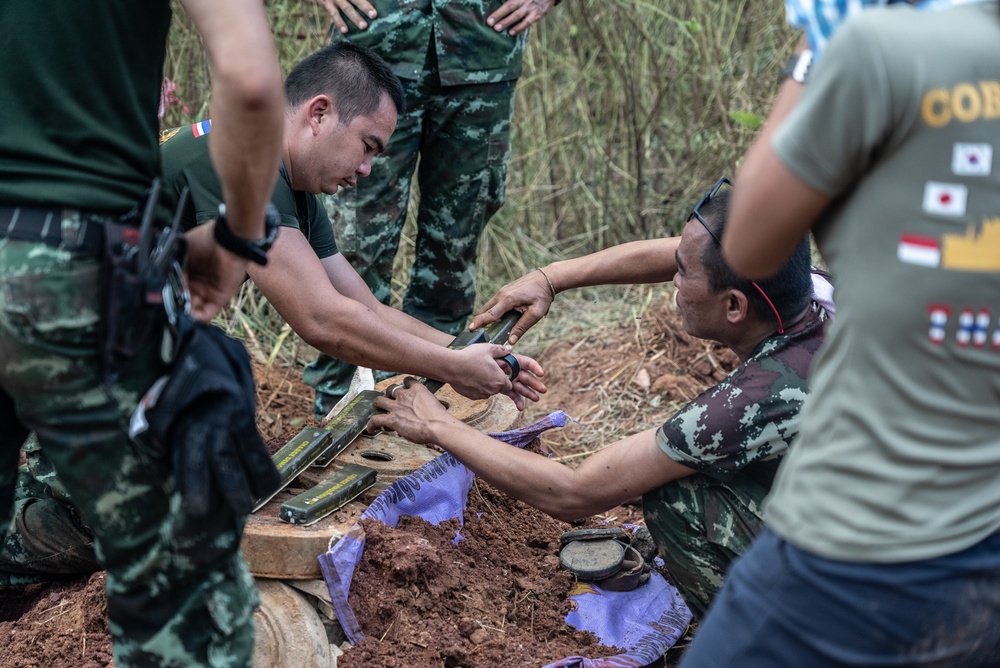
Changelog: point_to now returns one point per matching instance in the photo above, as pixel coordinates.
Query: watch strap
(254, 250)
(798, 66)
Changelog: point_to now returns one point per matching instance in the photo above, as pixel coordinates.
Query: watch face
(272, 221)
(798, 67)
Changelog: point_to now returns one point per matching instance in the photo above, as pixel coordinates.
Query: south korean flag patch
(972, 159)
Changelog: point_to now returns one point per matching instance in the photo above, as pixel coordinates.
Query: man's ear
(321, 110)
(737, 306)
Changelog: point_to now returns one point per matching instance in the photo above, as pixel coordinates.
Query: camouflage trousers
(48, 539)
(699, 528)
(179, 593)
(462, 137)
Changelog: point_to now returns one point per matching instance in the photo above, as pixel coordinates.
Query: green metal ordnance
(495, 332)
(351, 421)
(332, 494)
(345, 426)
(296, 456)
(320, 445)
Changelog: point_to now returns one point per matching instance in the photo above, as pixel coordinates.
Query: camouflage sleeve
(752, 415)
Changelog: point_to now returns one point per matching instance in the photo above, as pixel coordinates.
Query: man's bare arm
(349, 283)
(604, 480)
(771, 209)
(296, 284)
(247, 109)
(635, 262)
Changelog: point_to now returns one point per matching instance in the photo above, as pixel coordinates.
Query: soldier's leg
(12, 436)
(367, 222)
(462, 179)
(699, 529)
(178, 590)
(48, 539)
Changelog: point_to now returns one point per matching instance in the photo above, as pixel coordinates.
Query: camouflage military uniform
(459, 76)
(178, 591)
(734, 435)
(48, 539)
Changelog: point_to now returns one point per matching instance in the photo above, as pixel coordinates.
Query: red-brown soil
(497, 598)
(56, 625)
(617, 381)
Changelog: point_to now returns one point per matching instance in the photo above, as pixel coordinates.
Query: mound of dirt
(497, 598)
(57, 625)
(615, 382)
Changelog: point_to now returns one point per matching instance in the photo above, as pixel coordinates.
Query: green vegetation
(626, 112)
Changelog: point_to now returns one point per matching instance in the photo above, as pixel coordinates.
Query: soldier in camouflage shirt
(459, 61)
(704, 474)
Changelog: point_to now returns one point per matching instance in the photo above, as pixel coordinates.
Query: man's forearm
(649, 261)
(247, 106)
(411, 325)
(359, 335)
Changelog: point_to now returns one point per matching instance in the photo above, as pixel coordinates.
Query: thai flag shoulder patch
(201, 129)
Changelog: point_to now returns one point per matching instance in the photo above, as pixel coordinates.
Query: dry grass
(629, 375)
(625, 112)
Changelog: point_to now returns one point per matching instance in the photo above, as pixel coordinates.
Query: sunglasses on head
(696, 214)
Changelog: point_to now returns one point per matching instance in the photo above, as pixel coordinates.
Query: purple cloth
(646, 621)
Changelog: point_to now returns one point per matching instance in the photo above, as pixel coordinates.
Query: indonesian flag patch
(923, 251)
(945, 199)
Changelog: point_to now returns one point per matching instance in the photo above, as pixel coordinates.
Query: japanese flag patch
(945, 199)
(972, 159)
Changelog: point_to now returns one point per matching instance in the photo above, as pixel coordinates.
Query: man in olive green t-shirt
(328, 145)
(330, 141)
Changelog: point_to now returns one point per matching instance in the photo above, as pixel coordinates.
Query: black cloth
(205, 413)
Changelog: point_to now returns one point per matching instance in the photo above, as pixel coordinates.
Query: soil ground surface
(614, 382)
(497, 598)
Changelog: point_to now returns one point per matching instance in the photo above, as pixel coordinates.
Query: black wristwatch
(254, 250)
(798, 67)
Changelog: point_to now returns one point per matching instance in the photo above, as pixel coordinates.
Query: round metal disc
(592, 559)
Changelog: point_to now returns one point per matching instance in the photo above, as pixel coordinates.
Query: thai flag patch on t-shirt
(203, 128)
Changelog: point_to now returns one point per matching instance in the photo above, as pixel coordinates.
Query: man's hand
(480, 372)
(530, 294)
(352, 9)
(483, 373)
(516, 16)
(213, 274)
(528, 384)
(412, 412)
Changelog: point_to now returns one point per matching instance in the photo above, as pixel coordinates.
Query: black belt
(45, 226)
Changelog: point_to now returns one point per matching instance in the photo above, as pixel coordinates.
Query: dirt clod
(499, 596)
(617, 381)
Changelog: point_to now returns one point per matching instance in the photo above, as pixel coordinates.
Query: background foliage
(626, 112)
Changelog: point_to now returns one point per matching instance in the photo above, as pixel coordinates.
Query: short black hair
(790, 289)
(354, 76)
